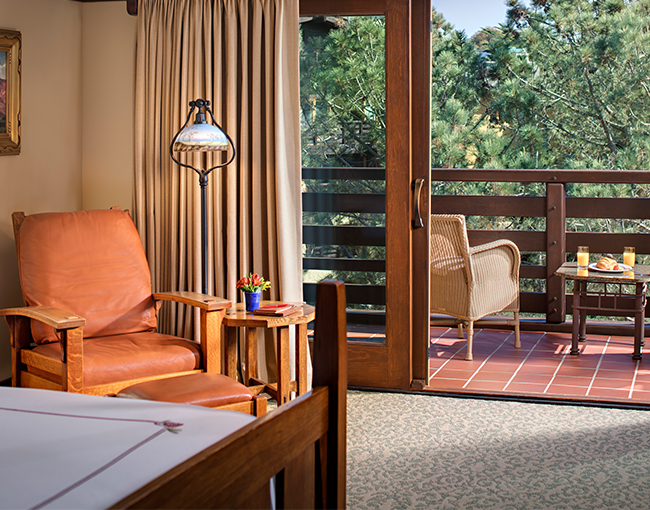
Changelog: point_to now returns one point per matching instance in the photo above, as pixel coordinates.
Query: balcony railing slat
(354, 294)
(332, 264)
(532, 302)
(488, 205)
(608, 242)
(577, 207)
(343, 235)
(524, 239)
(565, 176)
(347, 173)
(344, 202)
(612, 208)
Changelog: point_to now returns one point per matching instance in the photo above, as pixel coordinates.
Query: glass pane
(343, 130)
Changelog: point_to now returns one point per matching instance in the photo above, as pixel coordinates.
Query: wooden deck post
(555, 251)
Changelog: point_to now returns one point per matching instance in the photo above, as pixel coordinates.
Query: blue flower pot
(252, 300)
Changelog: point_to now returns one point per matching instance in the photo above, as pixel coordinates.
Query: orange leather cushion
(91, 264)
(205, 389)
(131, 356)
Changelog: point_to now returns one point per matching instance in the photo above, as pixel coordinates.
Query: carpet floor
(425, 451)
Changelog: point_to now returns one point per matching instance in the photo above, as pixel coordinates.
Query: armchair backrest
(449, 263)
(89, 263)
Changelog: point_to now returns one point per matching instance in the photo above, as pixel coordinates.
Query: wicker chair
(469, 283)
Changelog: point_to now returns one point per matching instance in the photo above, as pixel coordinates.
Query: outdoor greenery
(343, 106)
(561, 84)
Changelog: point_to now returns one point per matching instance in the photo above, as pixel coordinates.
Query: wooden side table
(238, 317)
(605, 302)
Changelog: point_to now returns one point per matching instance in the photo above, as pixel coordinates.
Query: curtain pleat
(242, 55)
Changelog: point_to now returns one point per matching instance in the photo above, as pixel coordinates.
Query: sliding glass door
(365, 114)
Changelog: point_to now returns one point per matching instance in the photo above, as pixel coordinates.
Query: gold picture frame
(10, 55)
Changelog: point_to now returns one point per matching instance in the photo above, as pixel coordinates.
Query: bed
(64, 450)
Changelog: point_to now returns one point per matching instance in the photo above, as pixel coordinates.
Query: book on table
(278, 309)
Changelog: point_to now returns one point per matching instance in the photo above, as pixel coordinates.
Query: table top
(237, 316)
(641, 274)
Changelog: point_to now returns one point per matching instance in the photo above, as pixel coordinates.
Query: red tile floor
(604, 371)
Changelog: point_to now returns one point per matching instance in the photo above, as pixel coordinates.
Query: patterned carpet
(421, 451)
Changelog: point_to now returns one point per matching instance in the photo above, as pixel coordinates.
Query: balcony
(557, 213)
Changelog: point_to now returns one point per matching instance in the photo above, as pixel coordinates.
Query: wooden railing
(555, 242)
(348, 235)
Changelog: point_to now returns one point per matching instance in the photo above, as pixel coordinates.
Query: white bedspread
(62, 450)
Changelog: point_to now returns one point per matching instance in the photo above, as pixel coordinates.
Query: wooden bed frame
(301, 443)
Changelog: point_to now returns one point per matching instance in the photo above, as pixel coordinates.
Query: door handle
(416, 186)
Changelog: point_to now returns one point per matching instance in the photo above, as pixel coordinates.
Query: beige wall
(77, 120)
(108, 64)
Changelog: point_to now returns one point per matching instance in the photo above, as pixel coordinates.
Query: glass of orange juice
(583, 257)
(629, 256)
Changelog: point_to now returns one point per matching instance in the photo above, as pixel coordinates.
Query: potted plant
(253, 285)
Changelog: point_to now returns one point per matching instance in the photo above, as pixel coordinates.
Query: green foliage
(573, 83)
(463, 132)
(343, 114)
(561, 84)
(342, 95)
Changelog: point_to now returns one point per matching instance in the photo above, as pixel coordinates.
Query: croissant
(607, 263)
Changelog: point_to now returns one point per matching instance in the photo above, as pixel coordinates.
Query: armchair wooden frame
(34, 370)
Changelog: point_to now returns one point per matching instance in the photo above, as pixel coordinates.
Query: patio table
(605, 302)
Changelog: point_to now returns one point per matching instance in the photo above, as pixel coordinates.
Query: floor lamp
(202, 137)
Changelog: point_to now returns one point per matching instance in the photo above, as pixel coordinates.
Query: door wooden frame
(394, 363)
(421, 169)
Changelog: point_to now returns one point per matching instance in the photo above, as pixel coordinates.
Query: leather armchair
(89, 320)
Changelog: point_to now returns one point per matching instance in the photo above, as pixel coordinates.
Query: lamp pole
(202, 137)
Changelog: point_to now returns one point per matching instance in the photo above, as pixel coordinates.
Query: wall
(77, 120)
(108, 78)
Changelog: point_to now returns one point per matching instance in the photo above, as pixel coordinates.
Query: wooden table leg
(251, 355)
(639, 320)
(301, 358)
(576, 317)
(583, 313)
(231, 353)
(283, 365)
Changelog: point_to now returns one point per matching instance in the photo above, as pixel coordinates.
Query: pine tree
(574, 83)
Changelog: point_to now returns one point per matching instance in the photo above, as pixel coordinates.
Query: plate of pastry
(608, 265)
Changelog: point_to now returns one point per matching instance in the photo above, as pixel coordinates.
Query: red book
(277, 310)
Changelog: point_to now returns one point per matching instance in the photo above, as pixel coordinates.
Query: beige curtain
(242, 55)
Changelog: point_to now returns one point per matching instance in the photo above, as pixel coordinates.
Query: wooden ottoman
(202, 389)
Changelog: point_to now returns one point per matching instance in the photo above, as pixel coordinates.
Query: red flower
(253, 283)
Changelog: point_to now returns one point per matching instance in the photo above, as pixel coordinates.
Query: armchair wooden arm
(202, 301)
(71, 328)
(213, 310)
(55, 317)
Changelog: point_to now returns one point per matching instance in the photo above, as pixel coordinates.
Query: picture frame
(10, 63)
